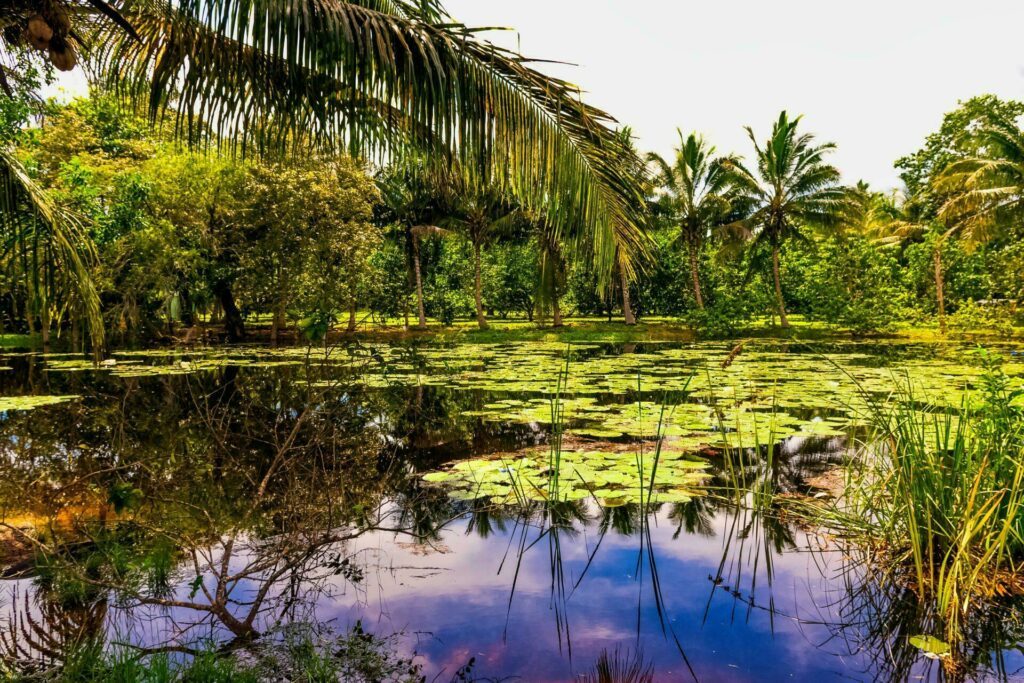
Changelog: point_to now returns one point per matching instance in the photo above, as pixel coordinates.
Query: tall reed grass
(939, 495)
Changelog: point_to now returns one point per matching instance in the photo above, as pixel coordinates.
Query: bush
(974, 317)
(849, 282)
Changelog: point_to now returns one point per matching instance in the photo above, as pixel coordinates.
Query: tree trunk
(421, 310)
(783, 321)
(76, 332)
(234, 325)
(556, 311)
(695, 275)
(351, 316)
(940, 295)
(44, 324)
(481, 319)
(277, 323)
(188, 316)
(627, 307)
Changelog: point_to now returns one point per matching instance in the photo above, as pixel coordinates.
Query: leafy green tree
(205, 197)
(695, 194)
(88, 156)
(308, 238)
(512, 269)
(954, 178)
(847, 280)
(960, 136)
(791, 191)
(386, 79)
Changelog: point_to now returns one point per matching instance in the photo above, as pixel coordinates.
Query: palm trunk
(940, 294)
(695, 275)
(783, 321)
(556, 310)
(351, 316)
(627, 307)
(421, 310)
(481, 319)
(76, 331)
(44, 323)
(278, 322)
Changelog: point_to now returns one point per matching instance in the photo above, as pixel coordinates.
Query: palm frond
(28, 216)
(363, 75)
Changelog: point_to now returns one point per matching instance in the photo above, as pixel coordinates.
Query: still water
(184, 499)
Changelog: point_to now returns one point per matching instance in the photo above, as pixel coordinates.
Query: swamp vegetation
(311, 369)
(392, 512)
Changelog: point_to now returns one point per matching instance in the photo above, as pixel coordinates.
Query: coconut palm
(47, 248)
(791, 190)
(984, 195)
(551, 275)
(382, 78)
(478, 215)
(414, 200)
(695, 193)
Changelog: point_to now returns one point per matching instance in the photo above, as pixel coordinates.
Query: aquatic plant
(619, 667)
(940, 497)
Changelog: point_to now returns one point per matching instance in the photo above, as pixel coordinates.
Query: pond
(500, 512)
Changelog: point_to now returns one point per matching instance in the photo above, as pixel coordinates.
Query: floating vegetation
(767, 393)
(9, 403)
(613, 479)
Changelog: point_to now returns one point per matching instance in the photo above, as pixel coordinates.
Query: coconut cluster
(48, 32)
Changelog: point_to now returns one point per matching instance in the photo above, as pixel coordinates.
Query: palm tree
(984, 194)
(696, 195)
(897, 219)
(381, 78)
(414, 199)
(48, 247)
(551, 278)
(478, 214)
(794, 189)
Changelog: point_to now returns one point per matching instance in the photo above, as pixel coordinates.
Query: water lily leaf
(930, 646)
(8, 403)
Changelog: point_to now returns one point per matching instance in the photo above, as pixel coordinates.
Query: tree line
(323, 240)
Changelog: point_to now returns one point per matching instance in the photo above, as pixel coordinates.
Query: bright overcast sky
(874, 76)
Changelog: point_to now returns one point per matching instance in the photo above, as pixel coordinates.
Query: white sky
(874, 76)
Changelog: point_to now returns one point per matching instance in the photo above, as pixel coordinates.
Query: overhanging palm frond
(29, 217)
(986, 194)
(311, 70)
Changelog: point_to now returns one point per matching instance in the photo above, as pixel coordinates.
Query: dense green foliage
(298, 244)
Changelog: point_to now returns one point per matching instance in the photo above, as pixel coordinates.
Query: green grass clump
(941, 494)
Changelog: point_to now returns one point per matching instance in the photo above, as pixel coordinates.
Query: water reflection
(176, 513)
